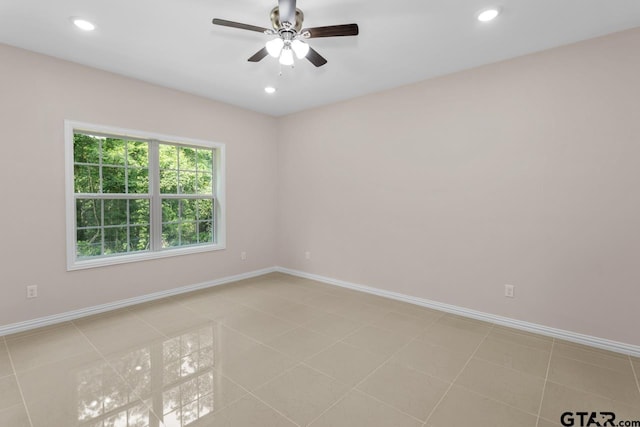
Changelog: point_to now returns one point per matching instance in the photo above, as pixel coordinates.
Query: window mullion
(154, 189)
(101, 226)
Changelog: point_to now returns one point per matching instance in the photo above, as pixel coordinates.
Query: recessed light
(270, 89)
(488, 15)
(83, 24)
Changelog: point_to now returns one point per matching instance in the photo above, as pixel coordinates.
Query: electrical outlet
(307, 255)
(243, 255)
(508, 291)
(32, 291)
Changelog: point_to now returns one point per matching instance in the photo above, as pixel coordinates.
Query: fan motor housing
(275, 19)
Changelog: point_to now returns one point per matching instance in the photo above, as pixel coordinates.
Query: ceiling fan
(287, 20)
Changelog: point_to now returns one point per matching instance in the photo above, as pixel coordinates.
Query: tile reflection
(104, 400)
(188, 376)
(169, 383)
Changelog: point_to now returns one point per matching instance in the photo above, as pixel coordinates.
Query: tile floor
(284, 351)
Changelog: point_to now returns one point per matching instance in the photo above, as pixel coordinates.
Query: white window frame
(219, 196)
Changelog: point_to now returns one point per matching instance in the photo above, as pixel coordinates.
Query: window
(134, 195)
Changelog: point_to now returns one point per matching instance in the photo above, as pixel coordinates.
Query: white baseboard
(76, 314)
(589, 340)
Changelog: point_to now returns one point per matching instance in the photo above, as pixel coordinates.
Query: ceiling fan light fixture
(300, 48)
(286, 57)
(274, 47)
(488, 14)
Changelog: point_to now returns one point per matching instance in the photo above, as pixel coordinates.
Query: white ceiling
(173, 43)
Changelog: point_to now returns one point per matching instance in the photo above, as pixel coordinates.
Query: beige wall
(524, 172)
(37, 93)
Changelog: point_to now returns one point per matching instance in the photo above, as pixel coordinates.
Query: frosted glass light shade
(286, 57)
(488, 15)
(300, 48)
(83, 24)
(274, 47)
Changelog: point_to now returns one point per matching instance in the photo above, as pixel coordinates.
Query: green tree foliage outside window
(188, 171)
(114, 203)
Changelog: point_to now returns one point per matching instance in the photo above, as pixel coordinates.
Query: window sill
(144, 256)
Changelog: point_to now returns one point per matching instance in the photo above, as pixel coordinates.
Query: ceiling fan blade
(259, 55)
(315, 58)
(333, 31)
(232, 24)
(287, 10)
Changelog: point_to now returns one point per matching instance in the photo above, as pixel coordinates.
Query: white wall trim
(83, 312)
(589, 340)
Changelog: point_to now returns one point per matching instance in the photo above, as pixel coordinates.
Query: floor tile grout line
(39, 330)
(137, 316)
(163, 335)
(245, 335)
(506, 340)
(412, 338)
(341, 340)
(3, 345)
(255, 396)
(297, 301)
(496, 400)
(591, 349)
(295, 365)
(150, 325)
(44, 364)
(546, 379)
(13, 367)
(264, 312)
(592, 364)
(360, 325)
(591, 393)
(297, 326)
(509, 368)
(457, 376)
(357, 384)
(302, 326)
(635, 373)
(251, 393)
(357, 390)
(246, 393)
(301, 362)
(354, 387)
(522, 332)
(431, 323)
(594, 350)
